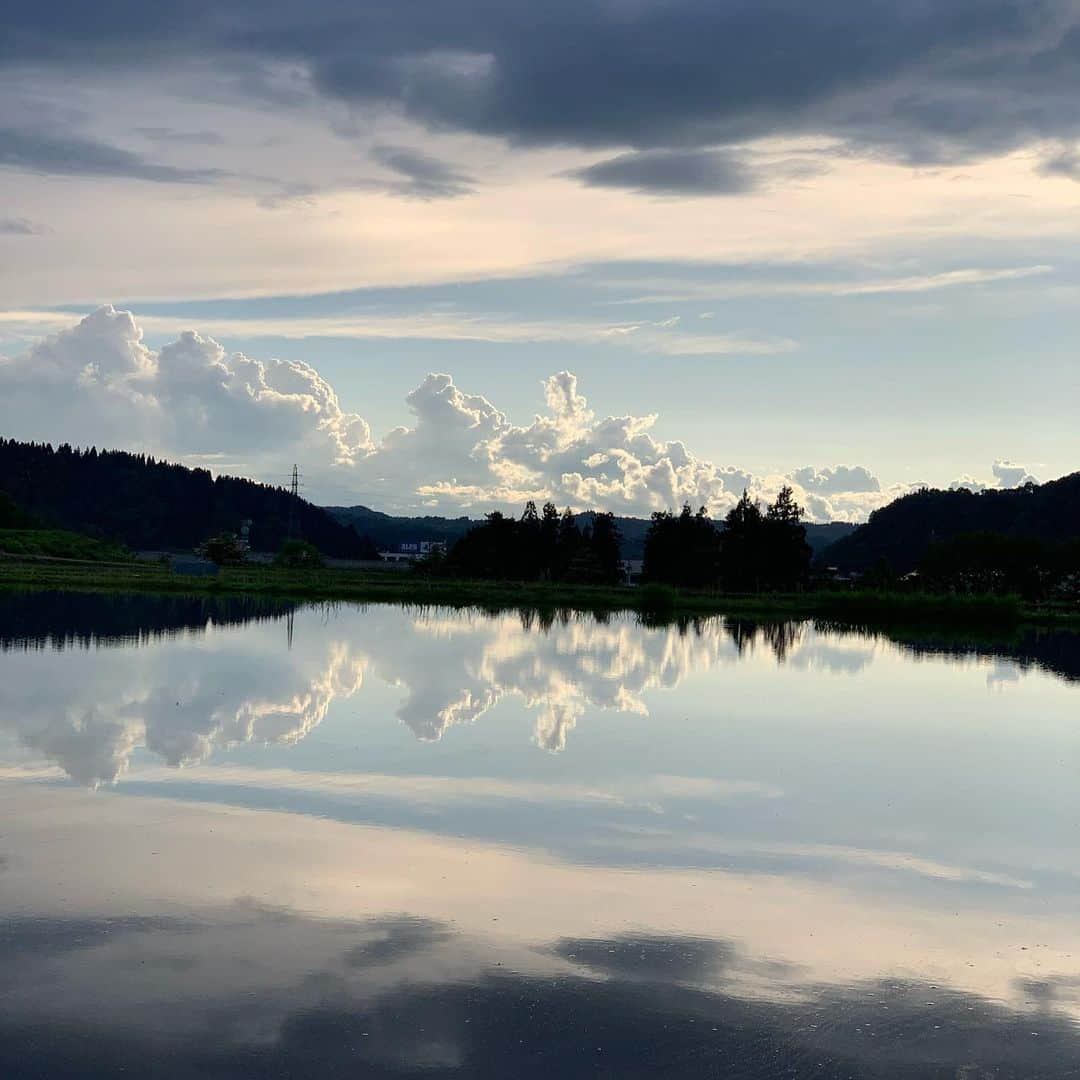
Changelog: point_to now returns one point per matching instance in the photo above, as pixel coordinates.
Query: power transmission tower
(294, 501)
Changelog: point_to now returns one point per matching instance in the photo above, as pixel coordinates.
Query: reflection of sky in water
(407, 821)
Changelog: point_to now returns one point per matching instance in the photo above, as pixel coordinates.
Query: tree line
(751, 550)
(541, 545)
(975, 563)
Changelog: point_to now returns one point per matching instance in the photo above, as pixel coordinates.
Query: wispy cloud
(674, 290)
(66, 154)
(663, 337)
(424, 176)
(17, 226)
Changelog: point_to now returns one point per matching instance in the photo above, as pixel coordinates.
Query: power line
(294, 491)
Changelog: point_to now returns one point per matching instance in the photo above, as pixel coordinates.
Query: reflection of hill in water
(1056, 652)
(62, 620)
(1052, 651)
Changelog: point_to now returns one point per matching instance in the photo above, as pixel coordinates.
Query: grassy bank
(58, 544)
(651, 601)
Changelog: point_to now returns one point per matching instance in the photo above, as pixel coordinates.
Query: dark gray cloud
(921, 82)
(649, 956)
(73, 155)
(425, 177)
(390, 940)
(303, 1012)
(672, 172)
(1065, 163)
(14, 226)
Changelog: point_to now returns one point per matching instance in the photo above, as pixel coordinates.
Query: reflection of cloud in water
(823, 655)
(185, 696)
(177, 699)
(181, 698)
(387, 951)
(1003, 673)
(441, 792)
(557, 674)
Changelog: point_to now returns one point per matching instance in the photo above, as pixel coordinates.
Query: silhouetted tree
(682, 550)
(568, 541)
(785, 554)
(548, 541)
(605, 546)
(223, 549)
(741, 562)
(298, 555)
(538, 546)
(765, 551)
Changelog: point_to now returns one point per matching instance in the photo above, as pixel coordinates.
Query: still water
(241, 840)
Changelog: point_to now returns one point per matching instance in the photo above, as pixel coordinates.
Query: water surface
(240, 839)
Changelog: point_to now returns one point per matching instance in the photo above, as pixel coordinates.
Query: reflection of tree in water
(60, 620)
(778, 636)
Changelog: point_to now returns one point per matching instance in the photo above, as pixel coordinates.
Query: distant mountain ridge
(902, 531)
(389, 531)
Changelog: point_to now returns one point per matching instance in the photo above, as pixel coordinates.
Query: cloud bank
(98, 383)
(921, 83)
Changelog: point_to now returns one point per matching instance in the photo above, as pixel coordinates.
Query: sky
(620, 254)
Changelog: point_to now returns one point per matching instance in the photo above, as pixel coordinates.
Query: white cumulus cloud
(1010, 475)
(98, 383)
(1007, 474)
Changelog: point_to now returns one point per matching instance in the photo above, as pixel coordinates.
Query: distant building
(422, 547)
(412, 550)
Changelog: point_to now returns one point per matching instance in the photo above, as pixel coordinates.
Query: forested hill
(148, 504)
(902, 531)
(388, 531)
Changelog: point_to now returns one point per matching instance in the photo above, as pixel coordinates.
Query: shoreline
(649, 601)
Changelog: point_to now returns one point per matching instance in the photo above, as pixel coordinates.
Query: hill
(148, 504)
(902, 531)
(388, 531)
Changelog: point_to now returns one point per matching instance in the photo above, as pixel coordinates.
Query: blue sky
(768, 239)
